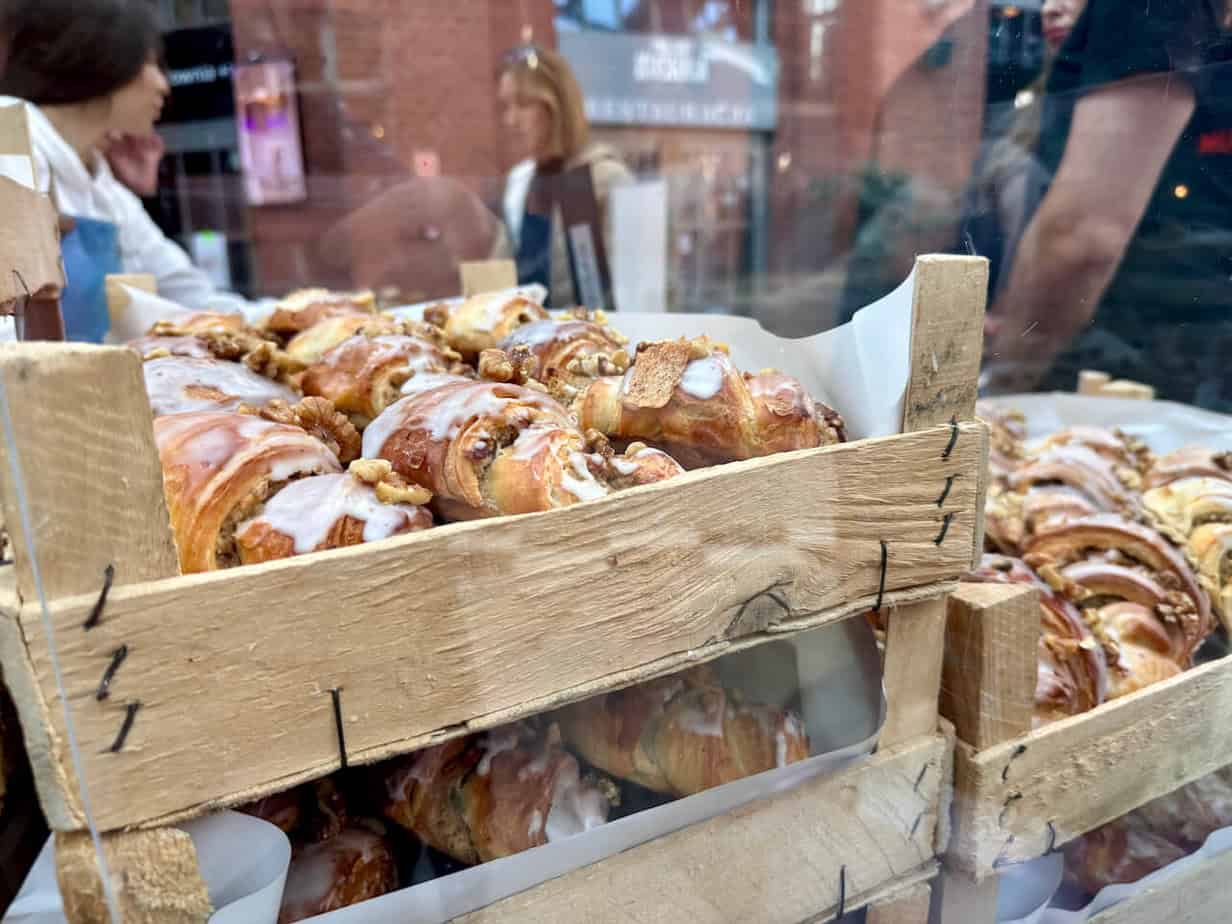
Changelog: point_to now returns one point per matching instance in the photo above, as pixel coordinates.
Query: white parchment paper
(243, 861)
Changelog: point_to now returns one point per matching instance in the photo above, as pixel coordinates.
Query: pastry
(484, 797)
(218, 468)
(682, 734)
(687, 398)
(331, 511)
(178, 384)
(484, 448)
(575, 350)
(363, 375)
(481, 322)
(302, 309)
(352, 867)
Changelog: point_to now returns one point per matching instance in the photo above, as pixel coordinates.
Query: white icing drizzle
(498, 741)
(623, 466)
(168, 378)
(703, 378)
(536, 767)
(535, 334)
(306, 510)
(584, 487)
(219, 441)
(705, 719)
(313, 873)
(426, 381)
(577, 807)
(536, 825)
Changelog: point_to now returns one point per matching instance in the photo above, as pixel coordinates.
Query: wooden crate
(1019, 792)
(225, 690)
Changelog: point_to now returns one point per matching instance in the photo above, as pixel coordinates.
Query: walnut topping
(318, 417)
(268, 360)
(370, 471)
(390, 487)
(596, 442)
(517, 365)
(437, 315)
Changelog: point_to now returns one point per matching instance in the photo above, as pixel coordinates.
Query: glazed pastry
(1211, 548)
(1188, 621)
(1107, 487)
(1073, 667)
(301, 310)
(639, 465)
(484, 797)
(1007, 438)
(322, 512)
(178, 384)
(1182, 506)
(352, 867)
(312, 343)
(218, 468)
(363, 375)
(484, 448)
(1191, 814)
(682, 734)
(1116, 446)
(283, 810)
(575, 350)
(1124, 850)
(1142, 651)
(483, 321)
(687, 398)
(1190, 462)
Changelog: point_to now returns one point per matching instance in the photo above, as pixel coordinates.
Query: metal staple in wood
(882, 580)
(945, 528)
(949, 447)
(104, 685)
(130, 715)
(945, 492)
(96, 612)
(842, 890)
(336, 694)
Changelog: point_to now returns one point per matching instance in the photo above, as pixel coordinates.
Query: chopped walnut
(1223, 460)
(596, 442)
(437, 315)
(318, 417)
(370, 471)
(391, 492)
(496, 366)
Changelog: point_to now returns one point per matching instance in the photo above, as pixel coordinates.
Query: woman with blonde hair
(544, 117)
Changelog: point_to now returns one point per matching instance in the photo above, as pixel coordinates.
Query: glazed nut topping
(370, 471)
(388, 492)
(700, 348)
(496, 366)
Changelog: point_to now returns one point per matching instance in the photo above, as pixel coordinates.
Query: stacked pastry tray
(236, 684)
(1019, 793)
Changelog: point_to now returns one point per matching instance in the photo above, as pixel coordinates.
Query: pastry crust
(483, 321)
(302, 309)
(218, 468)
(688, 398)
(352, 867)
(179, 384)
(682, 734)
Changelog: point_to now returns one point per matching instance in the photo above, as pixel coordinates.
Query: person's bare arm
(1120, 140)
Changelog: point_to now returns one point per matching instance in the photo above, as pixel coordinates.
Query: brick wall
(382, 79)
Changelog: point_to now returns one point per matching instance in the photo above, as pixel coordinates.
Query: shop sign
(671, 80)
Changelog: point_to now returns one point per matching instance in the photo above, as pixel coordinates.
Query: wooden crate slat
(1200, 895)
(93, 483)
(1085, 771)
(428, 634)
(915, 639)
(777, 861)
(947, 336)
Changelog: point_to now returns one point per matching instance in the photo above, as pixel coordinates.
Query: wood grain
(777, 861)
(29, 234)
(463, 627)
(480, 276)
(1084, 771)
(154, 874)
(910, 906)
(1196, 896)
(988, 682)
(947, 339)
(912, 670)
(92, 482)
(959, 899)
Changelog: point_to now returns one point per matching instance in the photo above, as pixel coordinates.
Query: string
(52, 651)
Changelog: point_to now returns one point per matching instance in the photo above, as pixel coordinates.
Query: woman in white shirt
(88, 70)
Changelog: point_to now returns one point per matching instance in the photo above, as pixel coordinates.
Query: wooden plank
(912, 670)
(1082, 772)
(154, 877)
(909, 906)
(1197, 896)
(465, 626)
(777, 861)
(959, 899)
(93, 485)
(988, 683)
(487, 276)
(29, 234)
(947, 338)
